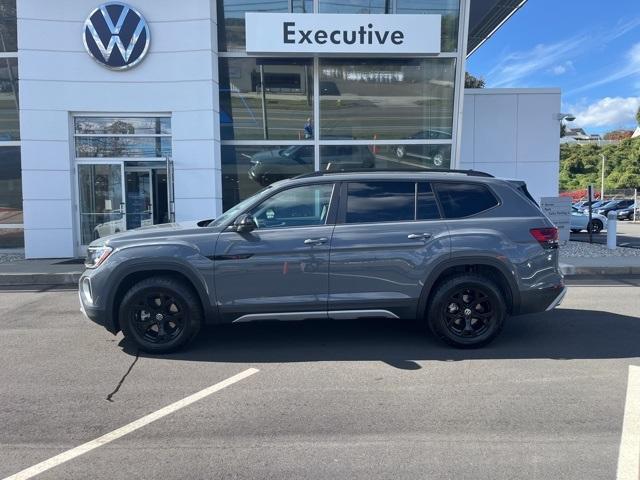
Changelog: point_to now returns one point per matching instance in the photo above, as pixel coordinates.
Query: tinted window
(427, 208)
(380, 202)
(296, 207)
(460, 200)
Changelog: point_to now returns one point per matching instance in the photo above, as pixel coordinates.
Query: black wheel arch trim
(154, 264)
(444, 265)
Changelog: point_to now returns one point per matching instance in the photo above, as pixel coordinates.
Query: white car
(580, 221)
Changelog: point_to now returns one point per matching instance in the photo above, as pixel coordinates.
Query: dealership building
(118, 115)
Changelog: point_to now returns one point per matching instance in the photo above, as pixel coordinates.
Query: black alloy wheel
(467, 310)
(160, 314)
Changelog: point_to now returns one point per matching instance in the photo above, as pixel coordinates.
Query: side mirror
(245, 223)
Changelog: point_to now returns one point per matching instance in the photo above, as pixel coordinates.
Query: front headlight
(96, 256)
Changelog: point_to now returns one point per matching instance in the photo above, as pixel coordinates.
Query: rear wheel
(400, 151)
(467, 311)
(160, 314)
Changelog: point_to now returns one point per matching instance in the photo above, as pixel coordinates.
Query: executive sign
(116, 36)
(328, 33)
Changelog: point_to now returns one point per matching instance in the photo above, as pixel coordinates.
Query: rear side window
(459, 200)
(372, 202)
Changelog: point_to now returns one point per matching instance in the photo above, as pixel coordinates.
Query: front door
(139, 194)
(281, 268)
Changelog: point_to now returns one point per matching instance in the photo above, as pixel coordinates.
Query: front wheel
(595, 226)
(160, 314)
(467, 311)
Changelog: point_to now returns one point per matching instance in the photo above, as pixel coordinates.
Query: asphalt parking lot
(628, 235)
(358, 399)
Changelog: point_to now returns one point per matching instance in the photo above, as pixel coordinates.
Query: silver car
(458, 251)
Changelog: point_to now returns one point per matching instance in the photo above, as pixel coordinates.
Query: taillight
(547, 237)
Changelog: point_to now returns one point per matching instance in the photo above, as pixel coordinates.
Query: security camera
(569, 117)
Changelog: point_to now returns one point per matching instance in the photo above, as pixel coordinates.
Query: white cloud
(563, 68)
(612, 112)
(629, 69)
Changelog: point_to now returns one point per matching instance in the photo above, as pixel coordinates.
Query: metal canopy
(486, 17)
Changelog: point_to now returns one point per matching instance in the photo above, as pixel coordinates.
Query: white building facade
(197, 120)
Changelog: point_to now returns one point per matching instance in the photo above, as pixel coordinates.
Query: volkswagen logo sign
(116, 36)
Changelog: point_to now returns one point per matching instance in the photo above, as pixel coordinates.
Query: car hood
(155, 232)
(269, 156)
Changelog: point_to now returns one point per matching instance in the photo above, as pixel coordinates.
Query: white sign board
(330, 33)
(558, 209)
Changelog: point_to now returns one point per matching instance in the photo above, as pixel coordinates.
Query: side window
(296, 207)
(370, 202)
(460, 200)
(427, 207)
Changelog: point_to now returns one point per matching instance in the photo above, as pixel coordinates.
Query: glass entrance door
(100, 200)
(139, 195)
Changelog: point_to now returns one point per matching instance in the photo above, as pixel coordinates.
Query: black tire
(595, 226)
(483, 295)
(576, 230)
(160, 314)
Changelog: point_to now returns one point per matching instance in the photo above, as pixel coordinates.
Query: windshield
(237, 209)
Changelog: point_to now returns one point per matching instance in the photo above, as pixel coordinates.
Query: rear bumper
(535, 301)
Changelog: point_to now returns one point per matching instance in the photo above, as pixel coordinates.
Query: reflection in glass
(376, 99)
(9, 120)
(449, 9)
(123, 126)
(247, 169)
(384, 157)
(302, 6)
(115, 147)
(101, 202)
(355, 6)
(264, 99)
(372, 202)
(8, 30)
(10, 186)
(11, 238)
(139, 203)
(231, 31)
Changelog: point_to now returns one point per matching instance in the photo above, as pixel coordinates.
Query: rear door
(384, 245)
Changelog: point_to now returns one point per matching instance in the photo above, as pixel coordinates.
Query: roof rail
(471, 173)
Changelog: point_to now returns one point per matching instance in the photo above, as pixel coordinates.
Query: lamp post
(602, 179)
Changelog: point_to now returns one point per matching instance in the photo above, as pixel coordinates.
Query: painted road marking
(629, 456)
(122, 431)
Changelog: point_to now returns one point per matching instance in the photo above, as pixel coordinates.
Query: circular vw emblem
(116, 35)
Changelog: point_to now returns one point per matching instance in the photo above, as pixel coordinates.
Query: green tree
(638, 116)
(472, 82)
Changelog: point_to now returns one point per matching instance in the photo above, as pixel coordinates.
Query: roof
(486, 17)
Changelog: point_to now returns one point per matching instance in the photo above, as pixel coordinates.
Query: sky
(588, 48)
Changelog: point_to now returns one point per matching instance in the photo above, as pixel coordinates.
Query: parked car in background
(434, 153)
(594, 204)
(613, 206)
(580, 221)
(627, 213)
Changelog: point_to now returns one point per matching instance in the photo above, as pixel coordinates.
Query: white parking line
(629, 456)
(122, 431)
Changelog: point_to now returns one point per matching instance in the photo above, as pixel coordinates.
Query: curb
(576, 271)
(56, 279)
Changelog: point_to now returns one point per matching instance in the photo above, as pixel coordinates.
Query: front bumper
(95, 313)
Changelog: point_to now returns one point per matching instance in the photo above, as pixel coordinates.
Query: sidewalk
(50, 271)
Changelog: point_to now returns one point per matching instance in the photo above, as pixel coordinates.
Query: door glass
(296, 207)
(101, 202)
(139, 206)
(374, 202)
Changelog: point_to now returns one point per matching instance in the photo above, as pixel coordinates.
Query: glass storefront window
(247, 169)
(123, 126)
(115, 147)
(266, 99)
(9, 120)
(384, 157)
(379, 99)
(11, 238)
(10, 186)
(355, 6)
(8, 30)
(450, 11)
(231, 31)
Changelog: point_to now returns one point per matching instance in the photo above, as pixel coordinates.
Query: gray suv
(459, 251)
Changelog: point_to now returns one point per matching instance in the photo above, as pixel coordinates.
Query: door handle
(315, 241)
(418, 236)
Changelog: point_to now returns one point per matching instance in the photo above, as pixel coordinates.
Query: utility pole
(602, 181)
